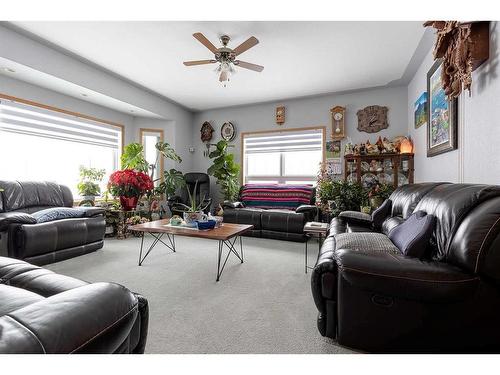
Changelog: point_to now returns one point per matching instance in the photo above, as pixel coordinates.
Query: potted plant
(194, 212)
(129, 185)
(225, 170)
(88, 187)
(379, 193)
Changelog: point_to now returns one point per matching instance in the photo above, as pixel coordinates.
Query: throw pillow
(381, 213)
(57, 213)
(412, 237)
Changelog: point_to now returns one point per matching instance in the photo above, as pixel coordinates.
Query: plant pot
(192, 217)
(128, 203)
(376, 202)
(90, 198)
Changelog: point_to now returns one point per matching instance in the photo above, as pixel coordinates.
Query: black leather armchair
(272, 223)
(43, 312)
(202, 181)
(448, 301)
(22, 237)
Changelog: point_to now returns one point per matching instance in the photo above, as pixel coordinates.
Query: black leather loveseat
(279, 224)
(448, 300)
(43, 312)
(22, 237)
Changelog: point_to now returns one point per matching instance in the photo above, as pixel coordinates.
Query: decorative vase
(155, 216)
(128, 203)
(192, 217)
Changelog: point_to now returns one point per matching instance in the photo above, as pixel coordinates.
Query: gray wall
(304, 112)
(477, 158)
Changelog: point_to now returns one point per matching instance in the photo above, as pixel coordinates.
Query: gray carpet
(261, 306)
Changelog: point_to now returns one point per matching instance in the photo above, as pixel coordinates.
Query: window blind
(22, 118)
(305, 140)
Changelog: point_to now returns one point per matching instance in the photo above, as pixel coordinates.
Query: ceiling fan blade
(247, 44)
(247, 65)
(223, 77)
(203, 40)
(199, 62)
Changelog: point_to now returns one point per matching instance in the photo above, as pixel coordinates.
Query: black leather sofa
(202, 182)
(43, 312)
(272, 223)
(448, 301)
(22, 237)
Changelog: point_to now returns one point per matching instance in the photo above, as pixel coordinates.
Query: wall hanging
(280, 115)
(338, 122)
(206, 136)
(333, 149)
(421, 110)
(372, 119)
(463, 46)
(442, 114)
(227, 131)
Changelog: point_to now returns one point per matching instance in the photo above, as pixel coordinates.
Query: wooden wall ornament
(280, 115)
(463, 46)
(338, 122)
(206, 132)
(372, 119)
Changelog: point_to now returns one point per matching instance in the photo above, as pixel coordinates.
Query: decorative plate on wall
(227, 131)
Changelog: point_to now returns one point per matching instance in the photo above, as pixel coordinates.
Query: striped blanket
(276, 196)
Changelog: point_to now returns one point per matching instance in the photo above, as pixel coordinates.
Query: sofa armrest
(400, 276)
(8, 218)
(95, 318)
(92, 211)
(355, 217)
(308, 209)
(229, 204)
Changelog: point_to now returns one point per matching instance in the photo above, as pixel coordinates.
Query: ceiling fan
(225, 56)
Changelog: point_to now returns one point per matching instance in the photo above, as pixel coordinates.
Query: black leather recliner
(22, 238)
(449, 301)
(43, 312)
(276, 224)
(202, 182)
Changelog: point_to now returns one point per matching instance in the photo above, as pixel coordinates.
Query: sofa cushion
(365, 242)
(282, 221)
(381, 213)
(276, 196)
(21, 194)
(57, 213)
(412, 237)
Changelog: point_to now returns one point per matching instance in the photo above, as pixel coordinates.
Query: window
(285, 157)
(49, 145)
(149, 138)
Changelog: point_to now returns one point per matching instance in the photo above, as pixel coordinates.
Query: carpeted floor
(261, 306)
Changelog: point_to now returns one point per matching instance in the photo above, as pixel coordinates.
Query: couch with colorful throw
(276, 211)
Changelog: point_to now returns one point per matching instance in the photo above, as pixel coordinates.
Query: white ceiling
(300, 58)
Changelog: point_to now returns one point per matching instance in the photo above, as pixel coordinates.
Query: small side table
(314, 229)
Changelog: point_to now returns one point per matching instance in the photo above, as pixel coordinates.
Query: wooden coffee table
(226, 234)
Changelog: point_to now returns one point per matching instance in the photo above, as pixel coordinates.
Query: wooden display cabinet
(368, 170)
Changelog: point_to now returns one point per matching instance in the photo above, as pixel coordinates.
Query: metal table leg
(231, 249)
(157, 238)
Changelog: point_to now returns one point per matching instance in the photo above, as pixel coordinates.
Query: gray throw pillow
(57, 213)
(412, 237)
(381, 213)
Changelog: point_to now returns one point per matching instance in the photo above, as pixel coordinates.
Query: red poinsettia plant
(129, 183)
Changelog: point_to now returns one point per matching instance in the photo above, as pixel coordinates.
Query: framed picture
(332, 149)
(442, 116)
(421, 111)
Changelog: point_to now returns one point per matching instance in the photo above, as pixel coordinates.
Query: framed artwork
(332, 149)
(334, 167)
(421, 111)
(442, 116)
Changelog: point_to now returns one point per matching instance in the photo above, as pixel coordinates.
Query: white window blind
(49, 145)
(283, 157)
(30, 120)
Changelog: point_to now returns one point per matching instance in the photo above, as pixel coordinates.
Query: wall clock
(280, 115)
(372, 119)
(338, 122)
(227, 131)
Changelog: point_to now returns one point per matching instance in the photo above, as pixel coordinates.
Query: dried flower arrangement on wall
(463, 46)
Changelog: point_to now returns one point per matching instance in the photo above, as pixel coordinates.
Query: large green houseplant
(225, 170)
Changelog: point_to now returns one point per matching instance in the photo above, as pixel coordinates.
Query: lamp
(406, 146)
